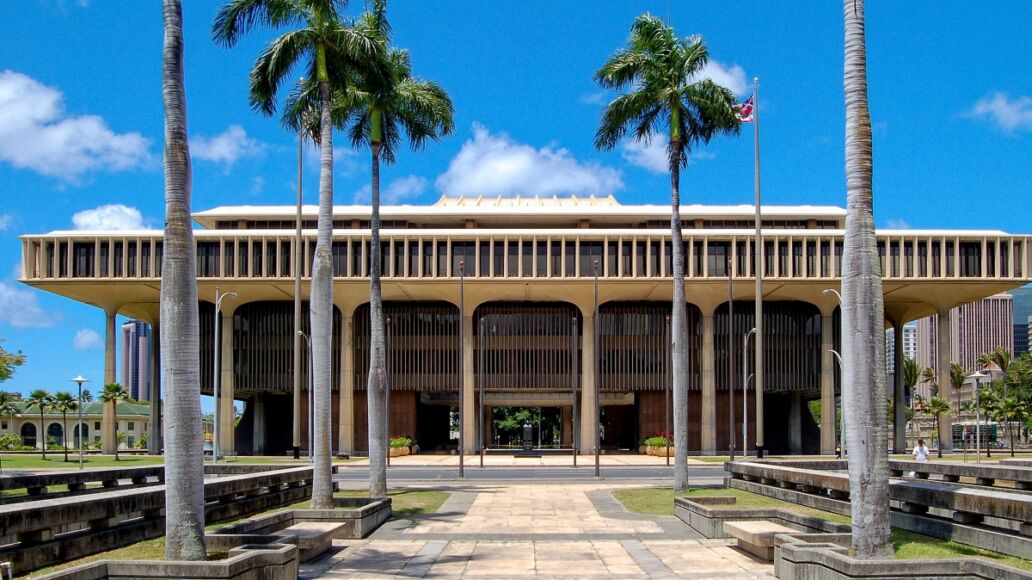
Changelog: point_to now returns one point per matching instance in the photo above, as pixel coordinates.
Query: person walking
(921, 453)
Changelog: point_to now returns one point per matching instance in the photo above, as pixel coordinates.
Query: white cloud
(109, 217)
(897, 224)
(653, 157)
(227, 147)
(20, 308)
(5, 221)
(732, 77)
(345, 160)
(37, 134)
(397, 191)
(87, 339)
(494, 164)
(258, 185)
(596, 98)
(1008, 114)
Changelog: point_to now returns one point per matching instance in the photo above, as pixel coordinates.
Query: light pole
(731, 357)
(216, 378)
(298, 259)
(311, 411)
(745, 392)
(462, 347)
(666, 394)
(387, 387)
(79, 380)
(842, 402)
(574, 385)
(480, 392)
(598, 404)
(978, 376)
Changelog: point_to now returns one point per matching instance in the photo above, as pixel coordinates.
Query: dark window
(105, 249)
(207, 259)
(285, 258)
(611, 249)
(498, 252)
(908, 260)
(556, 253)
(464, 252)
(527, 258)
(413, 250)
(740, 259)
(768, 259)
(936, 259)
(130, 260)
(145, 255)
(428, 259)
(571, 259)
(654, 258)
(541, 257)
(639, 259)
(399, 258)
(83, 259)
(716, 258)
(811, 259)
(256, 254)
(228, 255)
(625, 259)
(118, 258)
(590, 254)
(485, 259)
(951, 254)
(970, 259)
(242, 252)
(922, 259)
(339, 251)
(442, 259)
(513, 258)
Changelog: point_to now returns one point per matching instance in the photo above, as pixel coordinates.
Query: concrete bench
(312, 538)
(986, 474)
(756, 536)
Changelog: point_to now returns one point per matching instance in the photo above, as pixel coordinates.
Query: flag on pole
(744, 111)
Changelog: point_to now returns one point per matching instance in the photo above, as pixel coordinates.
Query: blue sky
(81, 122)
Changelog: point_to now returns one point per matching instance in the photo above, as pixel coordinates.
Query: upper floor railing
(626, 254)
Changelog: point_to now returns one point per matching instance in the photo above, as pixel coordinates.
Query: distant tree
(9, 361)
(42, 400)
(938, 407)
(113, 393)
(63, 403)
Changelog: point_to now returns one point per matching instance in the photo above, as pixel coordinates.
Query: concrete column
(468, 393)
(943, 345)
(899, 431)
(567, 425)
(227, 443)
(588, 419)
(346, 435)
(154, 433)
(109, 423)
(828, 407)
(258, 435)
(709, 387)
(795, 425)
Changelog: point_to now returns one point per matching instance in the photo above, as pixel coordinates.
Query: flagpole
(758, 274)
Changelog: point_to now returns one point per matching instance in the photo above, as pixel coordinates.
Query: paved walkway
(543, 531)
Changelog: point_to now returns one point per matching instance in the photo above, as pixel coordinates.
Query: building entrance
(506, 427)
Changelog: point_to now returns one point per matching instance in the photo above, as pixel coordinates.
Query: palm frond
(238, 17)
(275, 63)
(630, 111)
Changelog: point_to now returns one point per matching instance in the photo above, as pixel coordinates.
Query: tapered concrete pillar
(795, 424)
(899, 429)
(828, 406)
(227, 438)
(109, 423)
(567, 425)
(155, 432)
(469, 407)
(709, 388)
(943, 343)
(346, 435)
(588, 417)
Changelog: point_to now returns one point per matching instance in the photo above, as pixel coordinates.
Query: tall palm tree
(659, 76)
(113, 393)
(42, 400)
(375, 106)
(911, 376)
(63, 403)
(863, 312)
(938, 407)
(328, 46)
(180, 353)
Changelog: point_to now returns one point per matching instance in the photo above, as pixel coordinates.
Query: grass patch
(660, 501)
(56, 461)
(911, 546)
(408, 502)
(145, 550)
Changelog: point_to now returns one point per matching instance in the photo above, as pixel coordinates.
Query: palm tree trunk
(114, 413)
(863, 316)
(42, 433)
(322, 312)
(64, 431)
(184, 463)
(376, 388)
(678, 327)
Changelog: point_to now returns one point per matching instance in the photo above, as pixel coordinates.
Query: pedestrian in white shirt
(921, 453)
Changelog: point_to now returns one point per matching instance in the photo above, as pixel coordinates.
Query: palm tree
(938, 407)
(180, 350)
(659, 76)
(375, 108)
(863, 312)
(113, 393)
(911, 376)
(1000, 357)
(42, 399)
(63, 403)
(329, 47)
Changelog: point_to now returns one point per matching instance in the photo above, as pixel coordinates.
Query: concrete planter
(661, 451)
(399, 451)
(707, 515)
(248, 562)
(643, 449)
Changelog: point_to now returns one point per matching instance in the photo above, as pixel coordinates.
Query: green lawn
(55, 460)
(406, 503)
(908, 545)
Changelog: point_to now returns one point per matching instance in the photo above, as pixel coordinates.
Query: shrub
(401, 441)
(141, 443)
(659, 441)
(9, 442)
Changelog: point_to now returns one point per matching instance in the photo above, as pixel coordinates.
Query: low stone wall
(707, 515)
(824, 557)
(46, 532)
(257, 562)
(986, 474)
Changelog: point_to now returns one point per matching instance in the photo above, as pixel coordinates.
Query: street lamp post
(598, 404)
(842, 402)
(79, 380)
(462, 347)
(217, 375)
(387, 387)
(574, 386)
(745, 392)
(731, 357)
(978, 376)
(311, 410)
(666, 394)
(480, 392)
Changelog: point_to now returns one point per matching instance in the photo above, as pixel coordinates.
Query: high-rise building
(136, 359)
(909, 346)
(1022, 300)
(976, 328)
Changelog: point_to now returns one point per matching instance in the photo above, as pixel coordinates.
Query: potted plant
(658, 445)
(400, 446)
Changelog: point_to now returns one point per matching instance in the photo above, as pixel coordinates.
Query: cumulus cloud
(37, 134)
(227, 147)
(897, 224)
(1008, 114)
(494, 164)
(5, 221)
(87, 339)
(345, 160)
(595, 98)
(397, 191)
(732, 77)
(654, 157)
(109, 217)
(20, 308)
